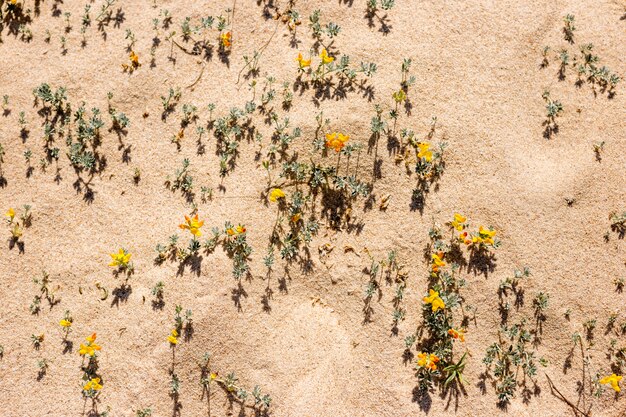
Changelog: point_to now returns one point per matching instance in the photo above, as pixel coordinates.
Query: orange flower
(336, 141)
(90, 348)
(457, 334)
(226, 40)
(437, 261)
(193, 225)
(427, 361)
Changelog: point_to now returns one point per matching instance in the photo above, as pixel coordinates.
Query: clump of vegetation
(46, 292)
(618, 223)
(261, 402)
(554, 108)
(17, 225)
(510, 360)
(92, 380)
(435, 339)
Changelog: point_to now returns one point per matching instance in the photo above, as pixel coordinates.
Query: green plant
(569, 28)
(554, 108)
(509, 358)
(45, 292)
(618, 223)
(144, 412)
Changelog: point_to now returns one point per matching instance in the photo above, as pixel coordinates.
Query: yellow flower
(613, 380)
(484, 236)
(240, 229)
(90, 348)
(459, 221)
(193, 225)
(213, 375)
(296, 217)
(65, 323)
(457, 334)
(424, 152)
(428, 361)
(120, 259)
(336, 140)
(173, 337)
(437, 261)
(225, 39)
(10, 214)
(93, 384)
(325, 58)
(276, 194)
(435, 301)
(303, 63)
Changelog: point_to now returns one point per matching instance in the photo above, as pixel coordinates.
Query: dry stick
(199, 76)
(260, 51)
(571, 404)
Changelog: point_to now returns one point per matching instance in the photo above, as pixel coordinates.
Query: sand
(478, 70)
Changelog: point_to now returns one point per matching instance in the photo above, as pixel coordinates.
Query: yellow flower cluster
(336, 140)
(427, 361)
(193, 225)
(457, 334)
(93, 385)
(236, 231)
(90, 348)
(434, 300)
(483, 237)
(120, 259)
(437, 261)
(613, 380)
(304, 63)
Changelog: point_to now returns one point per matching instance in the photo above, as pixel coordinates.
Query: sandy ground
(477, 68)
